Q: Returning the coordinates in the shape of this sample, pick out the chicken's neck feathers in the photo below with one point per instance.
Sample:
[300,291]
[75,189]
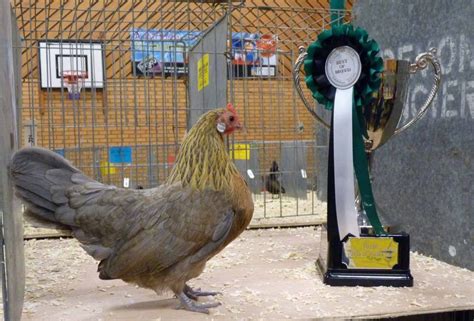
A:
[203,161]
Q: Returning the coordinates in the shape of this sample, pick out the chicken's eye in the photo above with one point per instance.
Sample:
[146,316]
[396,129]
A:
[231,118]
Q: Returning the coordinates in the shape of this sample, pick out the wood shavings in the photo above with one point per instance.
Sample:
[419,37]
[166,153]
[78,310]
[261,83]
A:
[293,256]
[217,313]
[233,309]
[267,274]
[418,304]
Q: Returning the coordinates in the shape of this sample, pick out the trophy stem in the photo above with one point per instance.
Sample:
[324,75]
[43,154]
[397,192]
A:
[370,159]
[362,217]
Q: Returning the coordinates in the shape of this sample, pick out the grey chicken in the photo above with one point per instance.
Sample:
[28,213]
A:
[156,238]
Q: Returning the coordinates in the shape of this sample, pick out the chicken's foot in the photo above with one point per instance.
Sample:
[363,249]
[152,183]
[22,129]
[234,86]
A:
[190,305]
[195,293]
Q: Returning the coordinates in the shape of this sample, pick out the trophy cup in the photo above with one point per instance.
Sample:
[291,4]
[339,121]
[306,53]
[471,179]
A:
[366,94]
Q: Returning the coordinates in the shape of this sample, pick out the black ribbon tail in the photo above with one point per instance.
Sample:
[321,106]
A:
[333,231]
[335,248]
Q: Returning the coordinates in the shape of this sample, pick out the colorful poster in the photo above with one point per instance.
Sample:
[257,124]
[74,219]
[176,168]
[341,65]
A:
[161,52]
[254,55]
[164,52]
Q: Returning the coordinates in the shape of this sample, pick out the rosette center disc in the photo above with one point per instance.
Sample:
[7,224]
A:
[343,67]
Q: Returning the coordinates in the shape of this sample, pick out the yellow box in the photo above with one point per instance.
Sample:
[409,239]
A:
[203,72]
[107,168]
[240,152]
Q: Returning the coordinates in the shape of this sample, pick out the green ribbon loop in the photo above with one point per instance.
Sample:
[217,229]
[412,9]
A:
[319,50]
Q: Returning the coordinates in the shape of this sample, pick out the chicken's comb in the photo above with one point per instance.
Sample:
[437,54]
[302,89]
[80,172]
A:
[231,108]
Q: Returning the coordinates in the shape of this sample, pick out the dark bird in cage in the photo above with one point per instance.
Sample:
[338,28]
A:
[157,238]
[273,181]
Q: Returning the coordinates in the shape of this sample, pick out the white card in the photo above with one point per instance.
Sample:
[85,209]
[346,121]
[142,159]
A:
[303,173]
[250,173]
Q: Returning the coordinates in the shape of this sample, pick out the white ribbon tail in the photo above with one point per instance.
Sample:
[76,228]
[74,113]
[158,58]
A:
[343,164]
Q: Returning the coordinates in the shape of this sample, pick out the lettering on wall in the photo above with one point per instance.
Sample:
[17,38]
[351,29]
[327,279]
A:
[455,98]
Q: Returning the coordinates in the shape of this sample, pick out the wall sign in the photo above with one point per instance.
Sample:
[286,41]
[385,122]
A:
[120,154]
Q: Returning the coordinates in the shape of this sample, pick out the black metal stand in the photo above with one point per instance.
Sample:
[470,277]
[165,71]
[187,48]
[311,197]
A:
[333,262]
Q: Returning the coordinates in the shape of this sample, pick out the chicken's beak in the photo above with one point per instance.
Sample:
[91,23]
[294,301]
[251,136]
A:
[238,126]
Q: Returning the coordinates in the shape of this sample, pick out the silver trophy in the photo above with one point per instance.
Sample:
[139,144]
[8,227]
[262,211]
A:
[383,114]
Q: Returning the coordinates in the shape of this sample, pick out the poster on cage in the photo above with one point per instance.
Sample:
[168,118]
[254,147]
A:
[254,55]
[165,52]
[161,52]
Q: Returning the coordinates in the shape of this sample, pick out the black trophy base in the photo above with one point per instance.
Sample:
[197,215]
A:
[352,277]
[335,272]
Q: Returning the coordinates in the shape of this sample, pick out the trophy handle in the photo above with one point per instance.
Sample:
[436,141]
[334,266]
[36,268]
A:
[421,62]
[297,84]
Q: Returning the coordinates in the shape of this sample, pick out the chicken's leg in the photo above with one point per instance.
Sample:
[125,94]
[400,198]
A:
[193,306]
[194,294]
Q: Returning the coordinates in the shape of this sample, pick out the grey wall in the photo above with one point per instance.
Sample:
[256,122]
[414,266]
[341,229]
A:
[214,95]
[11,231]
[424,178]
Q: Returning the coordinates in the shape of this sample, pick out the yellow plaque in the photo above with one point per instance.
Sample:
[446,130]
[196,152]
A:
[240,152]
[371,252]
[203,72]
[107,168]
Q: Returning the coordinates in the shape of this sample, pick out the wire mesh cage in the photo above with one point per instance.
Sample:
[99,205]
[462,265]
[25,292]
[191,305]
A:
[127,122]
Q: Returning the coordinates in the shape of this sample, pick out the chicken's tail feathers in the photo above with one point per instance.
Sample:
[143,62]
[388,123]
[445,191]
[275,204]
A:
[41,178]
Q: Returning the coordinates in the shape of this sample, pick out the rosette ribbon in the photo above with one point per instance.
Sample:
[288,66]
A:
[346,150]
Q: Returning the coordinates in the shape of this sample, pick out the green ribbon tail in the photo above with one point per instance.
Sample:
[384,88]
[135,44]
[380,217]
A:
[361,168]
